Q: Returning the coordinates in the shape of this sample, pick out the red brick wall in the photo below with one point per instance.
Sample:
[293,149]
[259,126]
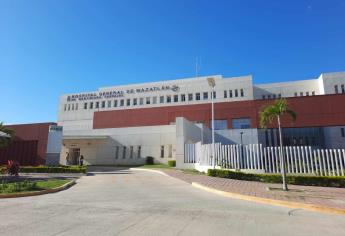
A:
[26,137]
[326,110]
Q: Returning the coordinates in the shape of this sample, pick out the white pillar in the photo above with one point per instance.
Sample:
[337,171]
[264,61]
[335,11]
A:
[341,162]
[332,161]
[295,159]
[303,160]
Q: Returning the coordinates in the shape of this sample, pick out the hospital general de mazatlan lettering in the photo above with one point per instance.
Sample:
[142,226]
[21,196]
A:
[123,125]
[115,94]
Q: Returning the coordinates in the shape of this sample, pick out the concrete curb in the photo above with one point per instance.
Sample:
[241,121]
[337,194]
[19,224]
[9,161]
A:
[273,202]
[151,170]
[36,193]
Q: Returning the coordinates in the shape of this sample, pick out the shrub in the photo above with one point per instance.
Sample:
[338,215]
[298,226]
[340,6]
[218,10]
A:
[325,181]
[53,169]
[149,160]
[171,163]
[12,168]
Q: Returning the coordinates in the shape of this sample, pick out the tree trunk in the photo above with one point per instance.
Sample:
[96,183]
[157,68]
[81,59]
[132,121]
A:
[282,157]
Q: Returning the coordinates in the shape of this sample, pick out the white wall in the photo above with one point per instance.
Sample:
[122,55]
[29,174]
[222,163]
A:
[98,146]
[332,79]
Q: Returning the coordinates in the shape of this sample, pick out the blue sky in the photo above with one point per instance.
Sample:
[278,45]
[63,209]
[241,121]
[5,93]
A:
[48,48]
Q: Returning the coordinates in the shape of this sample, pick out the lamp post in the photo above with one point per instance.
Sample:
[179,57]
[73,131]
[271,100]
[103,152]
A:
[241,147]
[212,84]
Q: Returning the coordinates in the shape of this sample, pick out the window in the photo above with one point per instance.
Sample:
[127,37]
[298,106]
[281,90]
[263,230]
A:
[241,123]
[342,88]
[131,152]
[148,100]
[115,103]
[336,88]
[65,107]
[230,93]
[103,104]
[128,102]
[313,93]
[117,148]
[183,97]
[91,105]
[242,93]
[85,105]
[139,151]
[279,95]
[162,151]
[175,98]
[225,94]
[263,97]
[168,99]
[141,101]
[236,93]
[122,102]
[124,152]
[154,100]
[295,94]
[214,95]
[170,151]
[307,93]
[135,101]
[69,107]
[73,107]
[269,96]
[190,97]
[274,96]
[197,96]
[220,124]
[109,103]
[301,94]
[342,130]
[97,104]
[76,106]
[161,99]
[205,95]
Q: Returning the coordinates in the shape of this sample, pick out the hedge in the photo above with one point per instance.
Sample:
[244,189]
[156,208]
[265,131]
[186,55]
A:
[51,169]
[171,163]
[324,181]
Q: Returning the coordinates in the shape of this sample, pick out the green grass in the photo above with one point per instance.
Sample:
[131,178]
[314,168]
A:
[30,186]
[49,184]
[158,166]
[192,171]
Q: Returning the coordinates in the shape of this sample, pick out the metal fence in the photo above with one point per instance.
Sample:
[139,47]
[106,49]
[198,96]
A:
[299,159]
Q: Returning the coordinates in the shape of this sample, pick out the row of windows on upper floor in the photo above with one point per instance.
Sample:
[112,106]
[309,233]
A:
[336,88]
[274,96]
[148,100]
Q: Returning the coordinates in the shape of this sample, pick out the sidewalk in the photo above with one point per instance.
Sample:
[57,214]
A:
[319,196]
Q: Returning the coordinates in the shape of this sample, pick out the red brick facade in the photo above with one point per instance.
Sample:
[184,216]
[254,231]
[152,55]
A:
[325,110]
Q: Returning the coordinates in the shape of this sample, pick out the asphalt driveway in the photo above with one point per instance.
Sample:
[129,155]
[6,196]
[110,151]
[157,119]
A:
[125,202]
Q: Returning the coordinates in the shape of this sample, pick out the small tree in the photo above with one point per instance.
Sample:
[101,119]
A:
[273,112]
[6,136]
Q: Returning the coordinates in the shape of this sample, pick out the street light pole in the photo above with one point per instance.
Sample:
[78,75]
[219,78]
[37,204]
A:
[212,84]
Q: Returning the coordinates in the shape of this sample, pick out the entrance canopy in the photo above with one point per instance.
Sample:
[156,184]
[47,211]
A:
[84,137]
[78,141]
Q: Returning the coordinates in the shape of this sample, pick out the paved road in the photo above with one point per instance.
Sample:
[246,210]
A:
[127,202]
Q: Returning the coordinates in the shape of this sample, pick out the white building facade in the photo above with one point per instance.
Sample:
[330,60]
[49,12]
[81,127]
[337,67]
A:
[92,127]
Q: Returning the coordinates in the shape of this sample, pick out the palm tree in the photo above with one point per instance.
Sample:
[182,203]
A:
[267,115]
[6,135]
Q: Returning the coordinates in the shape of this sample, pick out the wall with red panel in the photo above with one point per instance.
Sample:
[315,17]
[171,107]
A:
[29,146]
[324,110]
